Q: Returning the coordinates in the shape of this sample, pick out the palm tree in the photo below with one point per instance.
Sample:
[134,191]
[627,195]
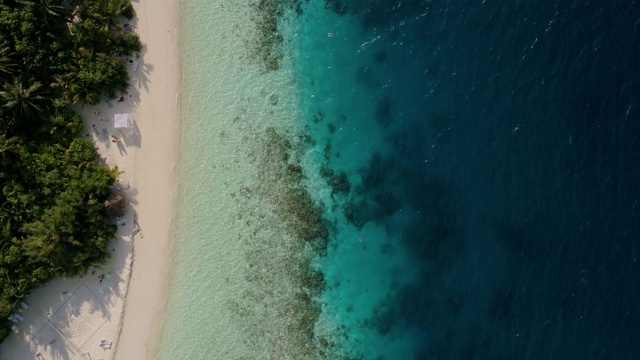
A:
[110,13]
[8,147]
[24,102]
[74,90]
[52,12]
[5,225]
[8,65]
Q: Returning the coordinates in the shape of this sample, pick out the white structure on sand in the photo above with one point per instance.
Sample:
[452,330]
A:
[122,122]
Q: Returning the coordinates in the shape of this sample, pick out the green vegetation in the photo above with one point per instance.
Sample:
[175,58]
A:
[53,186]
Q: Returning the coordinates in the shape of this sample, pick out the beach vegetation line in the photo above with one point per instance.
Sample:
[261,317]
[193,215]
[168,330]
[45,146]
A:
[53,184]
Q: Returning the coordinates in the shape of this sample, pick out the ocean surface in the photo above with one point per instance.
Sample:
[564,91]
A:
[469,172]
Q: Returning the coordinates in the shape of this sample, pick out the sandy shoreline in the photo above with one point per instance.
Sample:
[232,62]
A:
[115,311]
[156,175]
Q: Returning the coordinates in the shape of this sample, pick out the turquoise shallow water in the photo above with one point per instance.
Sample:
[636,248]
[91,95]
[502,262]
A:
[475,164]
[219,304]
[366,264]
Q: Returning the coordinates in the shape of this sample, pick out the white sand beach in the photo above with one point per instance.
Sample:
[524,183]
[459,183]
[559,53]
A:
[115,311]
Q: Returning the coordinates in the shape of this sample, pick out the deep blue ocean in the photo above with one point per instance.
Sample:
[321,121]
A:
[479,164]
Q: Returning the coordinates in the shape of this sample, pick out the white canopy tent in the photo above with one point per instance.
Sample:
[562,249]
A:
[122,122]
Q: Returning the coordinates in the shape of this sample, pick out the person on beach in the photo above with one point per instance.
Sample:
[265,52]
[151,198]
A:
[122,98]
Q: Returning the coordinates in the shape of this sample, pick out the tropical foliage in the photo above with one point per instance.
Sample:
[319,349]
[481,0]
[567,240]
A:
[52,183]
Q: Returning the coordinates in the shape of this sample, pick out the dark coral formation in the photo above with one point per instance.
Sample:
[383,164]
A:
[354,213]
[374,200]
[291,233]
[301,215]
[293,204]
[270,13]
[317,117]
[339,182]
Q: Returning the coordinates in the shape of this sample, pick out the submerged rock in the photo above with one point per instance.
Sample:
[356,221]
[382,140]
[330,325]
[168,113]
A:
[324,342]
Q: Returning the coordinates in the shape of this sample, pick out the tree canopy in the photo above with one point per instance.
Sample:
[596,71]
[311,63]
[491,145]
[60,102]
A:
[52,183]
